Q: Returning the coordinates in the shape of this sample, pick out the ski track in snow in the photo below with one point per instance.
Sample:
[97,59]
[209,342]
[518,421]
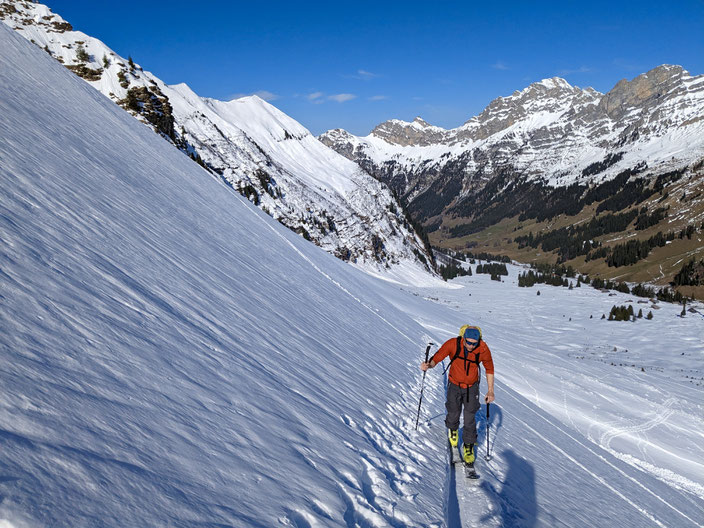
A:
[638,495]
[605,439]
[599,478]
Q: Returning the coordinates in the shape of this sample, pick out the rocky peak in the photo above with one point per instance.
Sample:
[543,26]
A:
[550,130]
[419,121]
[643,91]
[341,141]
[416,133]
[549,96]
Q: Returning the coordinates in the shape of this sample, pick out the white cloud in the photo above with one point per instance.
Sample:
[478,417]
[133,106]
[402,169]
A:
[499,65]
[366,75]
[263,94]
[315,95]
[341,98]
[378,97]
[362,75]
[581,69]
[266,95]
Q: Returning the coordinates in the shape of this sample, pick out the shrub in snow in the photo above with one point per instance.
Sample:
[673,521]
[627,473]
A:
[621,313]
[123,79]
[82,54]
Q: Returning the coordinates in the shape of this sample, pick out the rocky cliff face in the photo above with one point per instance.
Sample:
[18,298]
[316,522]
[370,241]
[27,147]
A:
[249,144]
[550,132]
[418,132]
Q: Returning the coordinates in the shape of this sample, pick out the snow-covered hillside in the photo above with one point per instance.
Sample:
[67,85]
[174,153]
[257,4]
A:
[257,149]
[171,356]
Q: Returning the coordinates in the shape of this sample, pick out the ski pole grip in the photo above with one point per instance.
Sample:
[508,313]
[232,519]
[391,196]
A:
[487,411]
[427,351]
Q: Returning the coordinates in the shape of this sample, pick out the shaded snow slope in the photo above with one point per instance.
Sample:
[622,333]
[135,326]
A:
[250,144]
[170,354]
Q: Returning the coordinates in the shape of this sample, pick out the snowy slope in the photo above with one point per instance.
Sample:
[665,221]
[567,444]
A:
[170,356]
[256,148]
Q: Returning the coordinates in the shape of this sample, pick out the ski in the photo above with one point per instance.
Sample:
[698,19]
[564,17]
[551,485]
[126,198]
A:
[469,470]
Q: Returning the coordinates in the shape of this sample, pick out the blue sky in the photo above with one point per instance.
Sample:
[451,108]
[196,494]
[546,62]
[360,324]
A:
[354,65]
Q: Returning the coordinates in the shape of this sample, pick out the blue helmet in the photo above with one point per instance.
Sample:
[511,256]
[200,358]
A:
[472,333]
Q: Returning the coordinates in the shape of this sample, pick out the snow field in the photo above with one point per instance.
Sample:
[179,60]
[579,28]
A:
[570,418]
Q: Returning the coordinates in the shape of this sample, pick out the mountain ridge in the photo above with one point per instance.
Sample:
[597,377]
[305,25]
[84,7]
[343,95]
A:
[547,152]
[255,148]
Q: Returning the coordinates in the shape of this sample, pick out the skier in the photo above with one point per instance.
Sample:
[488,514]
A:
[465,352]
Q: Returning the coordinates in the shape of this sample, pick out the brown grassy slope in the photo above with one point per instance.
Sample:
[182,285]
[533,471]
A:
[685,199]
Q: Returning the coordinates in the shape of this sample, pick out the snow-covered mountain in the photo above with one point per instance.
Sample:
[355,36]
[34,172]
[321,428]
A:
[254,147]
[550,132]
[171,356]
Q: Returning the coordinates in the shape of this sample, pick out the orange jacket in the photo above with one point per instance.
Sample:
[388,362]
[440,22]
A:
[458,371]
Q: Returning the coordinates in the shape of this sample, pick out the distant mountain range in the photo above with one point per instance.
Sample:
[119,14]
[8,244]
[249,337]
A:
[252,146]
[547,157]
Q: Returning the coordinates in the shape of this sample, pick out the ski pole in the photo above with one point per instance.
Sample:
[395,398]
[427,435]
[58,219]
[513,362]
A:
[488,457]
[422,385]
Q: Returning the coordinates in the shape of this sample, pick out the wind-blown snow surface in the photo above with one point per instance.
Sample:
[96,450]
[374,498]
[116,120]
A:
[170,356]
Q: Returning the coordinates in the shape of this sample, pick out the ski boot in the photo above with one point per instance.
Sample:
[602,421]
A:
[468,454]
[452,435]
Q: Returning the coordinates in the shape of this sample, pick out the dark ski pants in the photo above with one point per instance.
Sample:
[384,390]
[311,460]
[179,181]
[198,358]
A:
[457,398]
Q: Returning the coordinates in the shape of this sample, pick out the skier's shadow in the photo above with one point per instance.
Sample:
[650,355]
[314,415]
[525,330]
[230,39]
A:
[516,500]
